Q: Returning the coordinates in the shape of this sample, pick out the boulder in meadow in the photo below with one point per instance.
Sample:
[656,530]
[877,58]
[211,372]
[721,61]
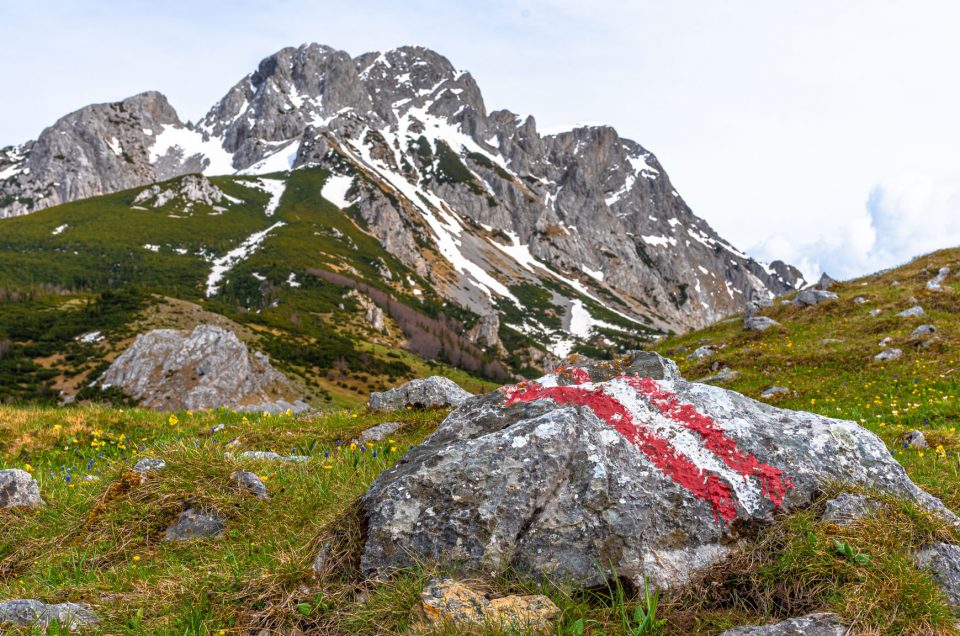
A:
[618,466]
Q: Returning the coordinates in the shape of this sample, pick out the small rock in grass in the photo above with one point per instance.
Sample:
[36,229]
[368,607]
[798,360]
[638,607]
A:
[846,509]
[860,300]
[195,524]
[703,352]
[148,465]
[875,312]
[810,297]
[943,562]
[271,456]
[725,374]
[18,489]
[759,323]
[826,281]
[820,624]
[379,432]
[923,330]
[829,341]
[33,613]
[251,483]
[885,342]
[319,566]
[452,602]
[888,355]
[916,310]
[936,283]
[915,439]
[774,391]
[433,392]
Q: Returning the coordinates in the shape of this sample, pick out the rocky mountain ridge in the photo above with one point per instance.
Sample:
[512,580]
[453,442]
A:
[479,203]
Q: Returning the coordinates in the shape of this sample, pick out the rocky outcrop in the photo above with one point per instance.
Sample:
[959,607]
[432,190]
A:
[846,509]
[810,297]
[433,392]
[617,466]
[943,562]
[206,368]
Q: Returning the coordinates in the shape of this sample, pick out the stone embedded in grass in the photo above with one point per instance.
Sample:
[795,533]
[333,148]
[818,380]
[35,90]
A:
[607,465]
[195,524]
[148,465]
[936,283]
[888,355]
[915,439]
[379,432]
[830,341]
[820,624]
[846,509]
[916,310]
[724,374]
[759,323]
[860,300]
[885,342]
[923,330]
[33,613]
[273,457]
[873,313]
[943,562]
[451,602]
[810,297]
[433,392]
[19,489]
[251,483]
[774,391]
[703,352]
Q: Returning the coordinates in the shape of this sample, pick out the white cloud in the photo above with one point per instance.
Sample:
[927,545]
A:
[905,216]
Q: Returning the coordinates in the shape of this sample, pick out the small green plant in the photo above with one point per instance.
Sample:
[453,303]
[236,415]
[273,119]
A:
[854,556]
[643,620]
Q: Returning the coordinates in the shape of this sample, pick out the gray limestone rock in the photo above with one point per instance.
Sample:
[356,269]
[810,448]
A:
[759,323]
[379,432]
[810,297]
[251,483]
[195,523]
[825,282]
[874,312]
[148,465]
[33,613]
[207,368]
[860,300]
[936,283]
[18,489]
[594,468]
[846,509]
[943,561]
[916,310]
[271,456]
[820,624]
[923,330]
[774,391]
[915,439]
[433,392]
[703,352]
[888,355]
[829,341]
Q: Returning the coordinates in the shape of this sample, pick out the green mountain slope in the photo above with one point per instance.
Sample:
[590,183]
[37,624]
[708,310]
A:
[64,264]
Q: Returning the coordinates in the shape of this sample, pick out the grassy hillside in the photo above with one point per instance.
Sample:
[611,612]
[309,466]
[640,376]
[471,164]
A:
[98,538]
[840,377]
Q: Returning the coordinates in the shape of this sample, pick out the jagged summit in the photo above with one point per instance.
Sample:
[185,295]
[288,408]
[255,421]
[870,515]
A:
[479,202]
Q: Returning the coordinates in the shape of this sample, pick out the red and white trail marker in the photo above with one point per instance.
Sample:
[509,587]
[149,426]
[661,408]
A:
[688,446]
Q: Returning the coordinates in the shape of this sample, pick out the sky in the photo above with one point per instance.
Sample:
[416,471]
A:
[821,133]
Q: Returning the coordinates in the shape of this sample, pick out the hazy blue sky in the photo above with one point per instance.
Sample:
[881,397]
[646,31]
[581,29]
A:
[820,132]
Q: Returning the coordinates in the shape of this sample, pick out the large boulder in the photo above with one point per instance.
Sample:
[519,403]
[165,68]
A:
[26,612]
[820,624]
[208,367]
[621,466]
[433,392]
[810,297]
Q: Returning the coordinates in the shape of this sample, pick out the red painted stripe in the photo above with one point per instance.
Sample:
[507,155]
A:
[773,482]
[706,485]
